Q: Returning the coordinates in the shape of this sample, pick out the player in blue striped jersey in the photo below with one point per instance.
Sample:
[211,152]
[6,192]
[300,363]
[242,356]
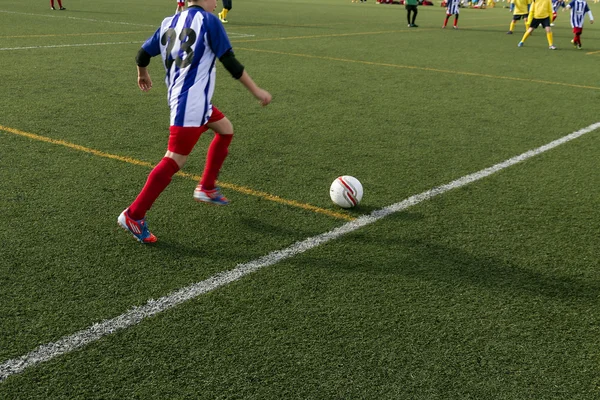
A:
[578,10]
[452,8]
[189,44]
[556,4]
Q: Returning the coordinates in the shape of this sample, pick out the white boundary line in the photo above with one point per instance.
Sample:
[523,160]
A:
[77,18]
[67,45]
[135,315]
[96,44]
[230,34]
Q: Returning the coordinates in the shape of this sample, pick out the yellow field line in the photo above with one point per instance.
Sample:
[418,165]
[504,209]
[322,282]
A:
[446,71]
[72,34]
[231,186]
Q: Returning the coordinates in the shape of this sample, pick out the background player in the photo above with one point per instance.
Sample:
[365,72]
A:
[540,13]
[555,5]
[578,10]
[180,6]
[452,8]
[411,7]
[520,10]
[189,44]
[226,8]
[60,6]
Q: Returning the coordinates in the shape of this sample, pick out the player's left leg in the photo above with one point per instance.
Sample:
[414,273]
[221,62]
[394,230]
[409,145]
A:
[207,191]
[227,5]
[511,28]
[549,36]
[455,26]
[577,39]
[414,16]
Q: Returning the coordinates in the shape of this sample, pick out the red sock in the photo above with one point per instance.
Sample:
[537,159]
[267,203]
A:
[158,180]
[60,3]
[51,3]
[217,152]
[456,20]
[446,21]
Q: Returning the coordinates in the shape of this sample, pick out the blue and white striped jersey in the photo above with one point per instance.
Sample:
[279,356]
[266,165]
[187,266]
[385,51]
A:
[556,4]
[452,7]
[578,10]
[189,43]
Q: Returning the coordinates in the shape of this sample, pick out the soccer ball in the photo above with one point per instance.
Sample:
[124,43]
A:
[346,191]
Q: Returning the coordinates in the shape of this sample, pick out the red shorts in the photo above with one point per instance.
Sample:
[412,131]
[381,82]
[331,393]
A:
[182,139]
[577,31]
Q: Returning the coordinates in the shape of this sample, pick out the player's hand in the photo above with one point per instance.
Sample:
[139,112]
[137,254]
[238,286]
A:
[592,21]
[263,97]
[144,82]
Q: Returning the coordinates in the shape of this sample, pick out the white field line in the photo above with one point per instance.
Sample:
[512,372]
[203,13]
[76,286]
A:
[91,44]
[230,34]
[135,315]
[77,18]
[87,44]
[67,45]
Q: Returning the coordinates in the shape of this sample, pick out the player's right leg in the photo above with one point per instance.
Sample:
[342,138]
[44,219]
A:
[138,228]
[181,142]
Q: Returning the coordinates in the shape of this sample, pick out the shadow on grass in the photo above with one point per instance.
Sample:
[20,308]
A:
[393,253]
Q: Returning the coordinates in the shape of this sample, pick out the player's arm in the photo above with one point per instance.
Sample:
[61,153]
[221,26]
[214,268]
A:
[148,50]
[220,45]
[143,60]
[237,71]
[591,16]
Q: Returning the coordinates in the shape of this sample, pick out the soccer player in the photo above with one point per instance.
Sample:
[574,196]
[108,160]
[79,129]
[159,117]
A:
[578,10]
[411,8]
[226,8]
[452,8]
[189,44]
[60,6]
[539,14]
[180,6]
[520,9]
[555,5]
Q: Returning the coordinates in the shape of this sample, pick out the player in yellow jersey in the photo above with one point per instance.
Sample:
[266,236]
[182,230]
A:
[226,8]
[540,13]
[520,9]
